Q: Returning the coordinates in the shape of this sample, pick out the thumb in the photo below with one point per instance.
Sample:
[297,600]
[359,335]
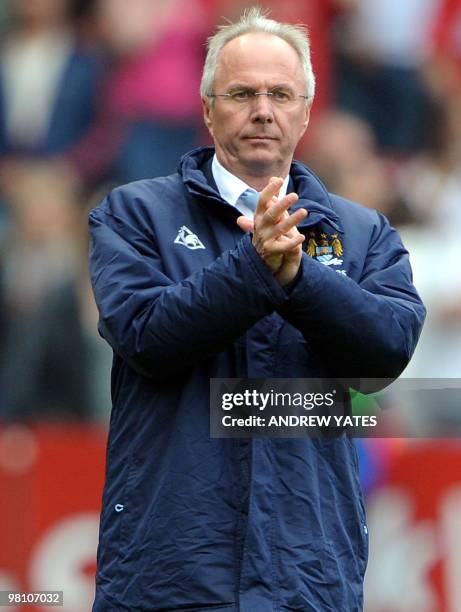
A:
[245,224]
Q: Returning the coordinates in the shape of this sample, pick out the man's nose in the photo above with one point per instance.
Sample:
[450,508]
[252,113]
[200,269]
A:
[261,109]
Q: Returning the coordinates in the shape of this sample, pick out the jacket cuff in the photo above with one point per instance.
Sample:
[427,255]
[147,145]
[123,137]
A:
[310,281]
[275,292]
[289,288]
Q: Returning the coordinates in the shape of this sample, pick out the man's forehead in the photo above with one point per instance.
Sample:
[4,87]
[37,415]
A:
[258,52]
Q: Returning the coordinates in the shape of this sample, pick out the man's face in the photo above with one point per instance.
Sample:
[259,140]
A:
[257,138]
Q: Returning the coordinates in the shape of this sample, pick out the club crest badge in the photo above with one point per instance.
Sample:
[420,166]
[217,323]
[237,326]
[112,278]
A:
[325,248]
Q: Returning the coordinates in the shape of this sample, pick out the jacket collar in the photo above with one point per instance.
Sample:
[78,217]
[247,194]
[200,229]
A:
[195,169]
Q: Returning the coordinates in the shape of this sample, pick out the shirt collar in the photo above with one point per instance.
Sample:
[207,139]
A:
[230,186]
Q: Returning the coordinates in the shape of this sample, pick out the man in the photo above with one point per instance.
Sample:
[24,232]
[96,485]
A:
[187,292]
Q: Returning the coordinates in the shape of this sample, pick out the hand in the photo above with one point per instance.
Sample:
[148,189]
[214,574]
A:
[275,236]
[290,265]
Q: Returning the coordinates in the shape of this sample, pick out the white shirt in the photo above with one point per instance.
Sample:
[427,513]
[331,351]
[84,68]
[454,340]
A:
[231,187]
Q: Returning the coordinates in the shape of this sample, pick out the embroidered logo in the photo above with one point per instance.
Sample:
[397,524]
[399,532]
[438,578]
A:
[326,249]
[188,239]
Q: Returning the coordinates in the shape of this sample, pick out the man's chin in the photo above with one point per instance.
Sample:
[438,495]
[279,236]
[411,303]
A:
[262,162]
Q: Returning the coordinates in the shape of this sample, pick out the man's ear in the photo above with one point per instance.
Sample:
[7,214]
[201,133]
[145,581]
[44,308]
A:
[207,114]
[307,115]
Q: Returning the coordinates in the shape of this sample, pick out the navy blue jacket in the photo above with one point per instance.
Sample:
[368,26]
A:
[254,525]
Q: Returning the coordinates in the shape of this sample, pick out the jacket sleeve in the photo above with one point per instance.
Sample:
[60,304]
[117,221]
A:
[159,326]
[365,329]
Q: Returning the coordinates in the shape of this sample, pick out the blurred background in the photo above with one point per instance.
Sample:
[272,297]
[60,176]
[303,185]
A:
[94,93]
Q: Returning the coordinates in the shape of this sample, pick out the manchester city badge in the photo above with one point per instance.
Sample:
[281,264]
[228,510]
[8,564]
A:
[325,248]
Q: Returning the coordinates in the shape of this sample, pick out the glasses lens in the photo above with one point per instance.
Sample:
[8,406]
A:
[278,97]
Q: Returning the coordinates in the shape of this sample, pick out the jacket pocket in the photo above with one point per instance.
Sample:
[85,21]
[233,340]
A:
[125,508]
[362,526]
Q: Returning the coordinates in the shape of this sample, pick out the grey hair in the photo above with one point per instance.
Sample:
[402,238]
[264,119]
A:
[255,20]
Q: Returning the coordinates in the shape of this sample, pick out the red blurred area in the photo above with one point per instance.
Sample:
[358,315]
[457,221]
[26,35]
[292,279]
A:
[51,480]
[415,530]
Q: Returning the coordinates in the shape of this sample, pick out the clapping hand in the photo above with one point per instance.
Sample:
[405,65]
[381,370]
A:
[275,235]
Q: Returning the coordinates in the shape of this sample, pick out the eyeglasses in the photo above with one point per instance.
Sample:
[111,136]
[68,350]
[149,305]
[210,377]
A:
[278,96]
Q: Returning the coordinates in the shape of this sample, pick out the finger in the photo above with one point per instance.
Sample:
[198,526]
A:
[276,211]
[290,255]
[287,224]
[279,247]
[274,200]
[270,191]
[245,224]
[285,227]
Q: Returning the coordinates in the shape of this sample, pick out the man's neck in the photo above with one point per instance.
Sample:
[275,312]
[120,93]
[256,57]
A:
[257,182]
[231,186]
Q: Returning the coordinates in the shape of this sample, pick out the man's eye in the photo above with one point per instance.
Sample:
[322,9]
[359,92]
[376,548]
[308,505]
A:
[281,96]
[241,95]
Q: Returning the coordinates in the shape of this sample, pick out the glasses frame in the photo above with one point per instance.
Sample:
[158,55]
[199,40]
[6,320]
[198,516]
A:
[253,95]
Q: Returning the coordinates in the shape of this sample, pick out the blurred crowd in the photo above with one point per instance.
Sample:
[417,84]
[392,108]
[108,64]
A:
[94,93]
